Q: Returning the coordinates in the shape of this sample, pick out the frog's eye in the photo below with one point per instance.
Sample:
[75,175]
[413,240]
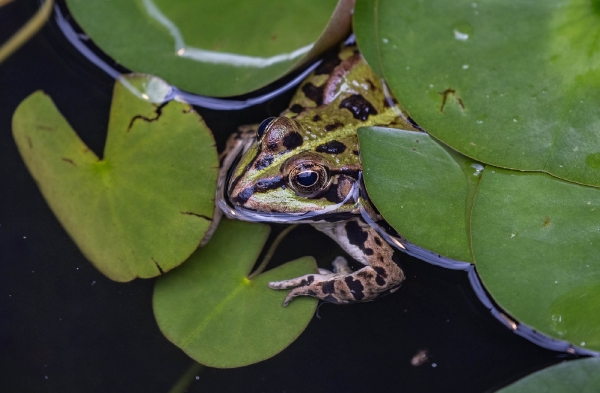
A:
[308,179]
[260,131]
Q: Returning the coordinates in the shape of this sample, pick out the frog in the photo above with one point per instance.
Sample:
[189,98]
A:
[304,166]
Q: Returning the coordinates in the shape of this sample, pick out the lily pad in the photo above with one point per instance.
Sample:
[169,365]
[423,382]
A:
[423,189]
[216,48]
[210,309]
[506,82]
[535,242]
[144,207]
[573,376]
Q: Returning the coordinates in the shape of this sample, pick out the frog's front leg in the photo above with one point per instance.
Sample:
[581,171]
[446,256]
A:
[343,286]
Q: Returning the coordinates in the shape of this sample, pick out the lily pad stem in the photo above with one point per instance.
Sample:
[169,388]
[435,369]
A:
[271,251]
[186,379]
[27,31]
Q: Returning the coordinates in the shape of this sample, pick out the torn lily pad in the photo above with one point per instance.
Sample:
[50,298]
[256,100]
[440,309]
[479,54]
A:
[210,309]
[143,207]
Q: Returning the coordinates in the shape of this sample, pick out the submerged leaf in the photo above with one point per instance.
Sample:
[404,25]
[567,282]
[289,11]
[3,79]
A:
[217,48]
[219,317]
[144,207]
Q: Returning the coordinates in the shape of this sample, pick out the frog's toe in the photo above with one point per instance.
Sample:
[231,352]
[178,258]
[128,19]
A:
[301,281]
[340,265]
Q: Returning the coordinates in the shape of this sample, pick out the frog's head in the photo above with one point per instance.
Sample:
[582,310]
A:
[287,171]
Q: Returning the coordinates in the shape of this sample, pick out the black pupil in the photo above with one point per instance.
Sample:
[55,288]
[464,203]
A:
[260,131]
[307,178]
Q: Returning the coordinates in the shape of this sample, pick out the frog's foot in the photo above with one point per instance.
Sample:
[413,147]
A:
[341,287]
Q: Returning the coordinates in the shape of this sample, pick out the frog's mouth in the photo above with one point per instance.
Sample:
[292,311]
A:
[223,202]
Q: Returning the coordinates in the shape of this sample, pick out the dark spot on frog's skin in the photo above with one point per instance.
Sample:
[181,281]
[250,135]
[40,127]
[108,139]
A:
[310,280]
[331,127]
[310,292]
[368,251]
[381,258]
[377,241]
[380,271]
[328,64]
[356,236]
[331,147]
[269,184]
[316,118]
[297,108]
[263,162]
[355,152]
[261,186]
[365,275]
[243,196]
[292,140]
[380,281]
[328,287]
[332,194]
[360,108]
[313,93]
[371,85]
[356,288]
[271,146]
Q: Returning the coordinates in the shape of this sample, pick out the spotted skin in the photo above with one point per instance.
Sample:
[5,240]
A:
[381,273]
[316,138]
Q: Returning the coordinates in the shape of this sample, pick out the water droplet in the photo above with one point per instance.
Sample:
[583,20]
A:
[462,31]
[465,66]
[385,40]
[478,168]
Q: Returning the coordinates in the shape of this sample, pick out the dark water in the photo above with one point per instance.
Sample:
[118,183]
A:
[66,328]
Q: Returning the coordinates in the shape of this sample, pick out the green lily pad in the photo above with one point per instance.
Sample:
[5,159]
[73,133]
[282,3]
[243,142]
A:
[573,376]
[535,242]
[219,317]
[421,188]
[216,48]
[506,82]
[144,207]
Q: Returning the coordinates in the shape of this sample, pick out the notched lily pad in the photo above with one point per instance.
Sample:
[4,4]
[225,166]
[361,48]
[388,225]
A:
[573,376]
[507,82]
[144,207]
[535,242]
[214,313]
[222,48]
[423,189]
